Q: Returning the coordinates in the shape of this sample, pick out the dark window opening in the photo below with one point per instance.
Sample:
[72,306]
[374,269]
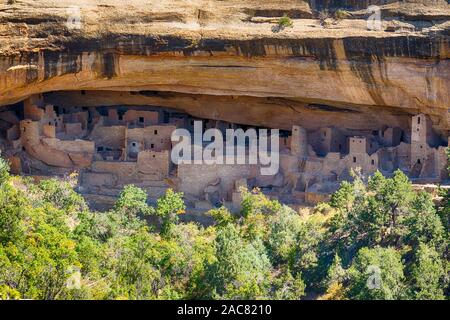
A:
[83,92]
[418,120]
[141,119]
[152,146]
[340,147]
[418,161]
[49,123]
[153,156]
[134,144]
[120,114]
[354,159]
[155,132]
[99,149]
[373,162]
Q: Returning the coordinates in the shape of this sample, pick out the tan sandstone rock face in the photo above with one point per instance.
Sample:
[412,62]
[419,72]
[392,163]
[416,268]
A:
[227,60]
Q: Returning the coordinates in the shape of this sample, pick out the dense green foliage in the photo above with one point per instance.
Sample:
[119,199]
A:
[375,240]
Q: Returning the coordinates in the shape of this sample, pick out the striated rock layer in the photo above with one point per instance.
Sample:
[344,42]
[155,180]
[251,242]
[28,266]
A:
[228,60]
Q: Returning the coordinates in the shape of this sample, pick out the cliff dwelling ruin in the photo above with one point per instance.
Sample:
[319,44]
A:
[112,146]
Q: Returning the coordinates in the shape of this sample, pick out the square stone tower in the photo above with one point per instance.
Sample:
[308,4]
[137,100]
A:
[420,133]
[299,142]
[357,145]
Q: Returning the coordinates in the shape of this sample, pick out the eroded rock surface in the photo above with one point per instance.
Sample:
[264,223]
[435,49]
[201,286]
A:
[224,48]
[230,61]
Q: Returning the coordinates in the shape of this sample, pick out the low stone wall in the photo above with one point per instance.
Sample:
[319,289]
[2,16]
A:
[196,177]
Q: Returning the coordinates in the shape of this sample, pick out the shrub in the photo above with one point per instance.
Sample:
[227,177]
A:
[285,22]
[168,207]
[4,171]
[341,14]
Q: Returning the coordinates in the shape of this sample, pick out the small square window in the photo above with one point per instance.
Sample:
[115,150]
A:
[155,132]
[141,119]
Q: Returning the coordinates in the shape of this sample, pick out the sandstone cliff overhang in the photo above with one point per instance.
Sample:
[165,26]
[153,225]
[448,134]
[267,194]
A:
[219,58]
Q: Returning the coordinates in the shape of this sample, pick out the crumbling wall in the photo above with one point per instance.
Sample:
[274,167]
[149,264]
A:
[328,139]
[158,137]
[124,172]
[109,137]
[81,117]
[154,165]
[13,133]
[141,117]
[98,180]
[73,129]
[392,136]
[52,151]
[196,177]
[49,131]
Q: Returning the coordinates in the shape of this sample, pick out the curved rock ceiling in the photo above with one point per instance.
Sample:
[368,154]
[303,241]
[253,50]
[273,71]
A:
[226,59]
